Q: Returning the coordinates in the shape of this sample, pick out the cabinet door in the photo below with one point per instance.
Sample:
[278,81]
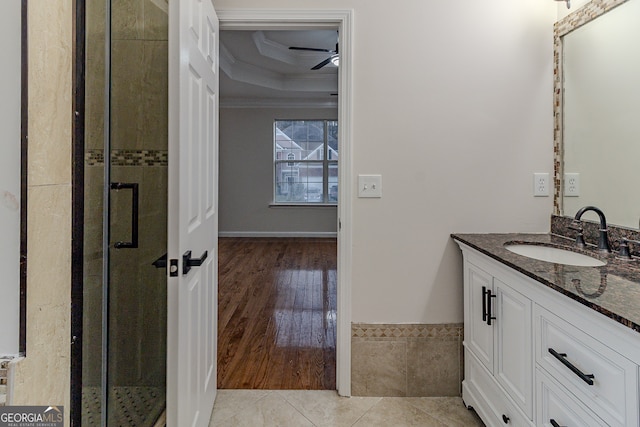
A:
[478,335]
[514,346]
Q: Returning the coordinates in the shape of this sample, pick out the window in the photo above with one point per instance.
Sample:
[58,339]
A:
[306,161]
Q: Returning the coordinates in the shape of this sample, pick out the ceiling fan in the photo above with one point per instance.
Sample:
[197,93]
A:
[334,58]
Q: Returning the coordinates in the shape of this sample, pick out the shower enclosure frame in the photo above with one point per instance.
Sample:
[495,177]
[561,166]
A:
[77,209]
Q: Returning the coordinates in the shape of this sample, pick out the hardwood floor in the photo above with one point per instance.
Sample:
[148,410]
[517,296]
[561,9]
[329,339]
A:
[277,313]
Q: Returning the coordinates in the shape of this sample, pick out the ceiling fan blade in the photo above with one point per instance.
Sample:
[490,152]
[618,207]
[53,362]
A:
[311,49]
[322,64]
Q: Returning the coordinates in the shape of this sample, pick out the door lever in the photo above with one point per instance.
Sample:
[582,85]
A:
[188,262]
[160,262]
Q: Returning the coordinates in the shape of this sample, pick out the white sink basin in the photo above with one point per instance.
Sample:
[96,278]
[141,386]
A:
[553,254]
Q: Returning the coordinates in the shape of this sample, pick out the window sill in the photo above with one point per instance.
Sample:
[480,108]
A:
[303,205]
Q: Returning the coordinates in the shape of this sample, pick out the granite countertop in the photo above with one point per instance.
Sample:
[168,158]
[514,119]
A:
[613,289]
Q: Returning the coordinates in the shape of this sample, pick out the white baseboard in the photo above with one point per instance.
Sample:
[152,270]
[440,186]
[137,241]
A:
[317,234]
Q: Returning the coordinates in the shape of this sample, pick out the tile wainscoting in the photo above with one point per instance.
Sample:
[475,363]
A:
[397,360]
[4,364]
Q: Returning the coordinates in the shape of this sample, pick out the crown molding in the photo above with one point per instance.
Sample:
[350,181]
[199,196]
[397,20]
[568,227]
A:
[244,72]
[274,50]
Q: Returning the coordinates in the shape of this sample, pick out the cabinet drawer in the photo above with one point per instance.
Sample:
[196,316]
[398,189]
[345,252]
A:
[602,379]
[555,404]
[491,402]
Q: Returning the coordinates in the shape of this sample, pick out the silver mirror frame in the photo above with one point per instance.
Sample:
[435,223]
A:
[576,19]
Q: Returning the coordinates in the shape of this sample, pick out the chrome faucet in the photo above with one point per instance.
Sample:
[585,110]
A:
[603,240]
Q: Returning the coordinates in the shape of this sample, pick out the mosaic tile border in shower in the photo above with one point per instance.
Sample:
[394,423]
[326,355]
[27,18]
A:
[581,16]
[95,157]
[396,331]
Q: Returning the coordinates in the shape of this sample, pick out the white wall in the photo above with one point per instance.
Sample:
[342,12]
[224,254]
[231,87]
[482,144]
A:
[246,176]
[575,5]
[456,123]
[10,36]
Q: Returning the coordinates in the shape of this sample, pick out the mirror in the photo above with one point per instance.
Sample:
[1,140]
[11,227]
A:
[12,177]
[597,134]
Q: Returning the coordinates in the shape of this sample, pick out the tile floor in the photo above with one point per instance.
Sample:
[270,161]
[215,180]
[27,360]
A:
[296,408]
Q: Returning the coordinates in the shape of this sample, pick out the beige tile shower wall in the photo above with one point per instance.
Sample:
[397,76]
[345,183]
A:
[138,297]
[139,142]
[139,154]
[42,377]
[50,56]
[415,360]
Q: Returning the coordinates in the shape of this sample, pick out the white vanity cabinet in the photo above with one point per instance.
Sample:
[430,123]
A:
[498,347]
[534,356]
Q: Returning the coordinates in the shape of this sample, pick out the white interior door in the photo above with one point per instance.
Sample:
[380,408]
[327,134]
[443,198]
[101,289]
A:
[192,214]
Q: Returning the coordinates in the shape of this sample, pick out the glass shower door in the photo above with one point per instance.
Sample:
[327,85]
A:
[125,303]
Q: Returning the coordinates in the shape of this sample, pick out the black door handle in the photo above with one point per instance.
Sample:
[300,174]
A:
[554,423]
[188,262]
[160,262]
[486,305]
[562,357]
[133,186]
[489,308]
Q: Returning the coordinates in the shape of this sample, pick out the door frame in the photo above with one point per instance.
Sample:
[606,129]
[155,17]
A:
[270,19]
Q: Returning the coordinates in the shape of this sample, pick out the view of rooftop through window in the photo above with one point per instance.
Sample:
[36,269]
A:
[306,161]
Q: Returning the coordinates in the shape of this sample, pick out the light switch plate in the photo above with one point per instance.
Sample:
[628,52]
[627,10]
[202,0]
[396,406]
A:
[369,185]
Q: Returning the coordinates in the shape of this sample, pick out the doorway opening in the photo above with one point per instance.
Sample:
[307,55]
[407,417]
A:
[279,156]
[262,21]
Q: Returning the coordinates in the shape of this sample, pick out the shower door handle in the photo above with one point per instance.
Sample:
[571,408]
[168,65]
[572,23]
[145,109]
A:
[133,186]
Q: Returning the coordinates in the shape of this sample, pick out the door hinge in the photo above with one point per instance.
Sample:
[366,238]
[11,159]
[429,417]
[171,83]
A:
[173,268]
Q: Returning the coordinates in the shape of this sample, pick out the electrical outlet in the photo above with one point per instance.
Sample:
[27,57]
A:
[541,184]
[571,184]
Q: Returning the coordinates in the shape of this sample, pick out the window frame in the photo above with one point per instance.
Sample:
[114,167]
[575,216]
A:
[325,162]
